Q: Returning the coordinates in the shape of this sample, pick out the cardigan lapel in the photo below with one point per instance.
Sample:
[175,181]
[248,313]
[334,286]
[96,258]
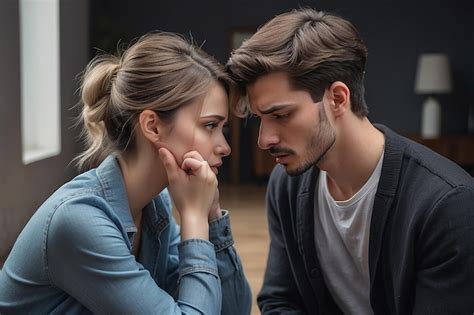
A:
[384,197]
[306,243]
[305,214]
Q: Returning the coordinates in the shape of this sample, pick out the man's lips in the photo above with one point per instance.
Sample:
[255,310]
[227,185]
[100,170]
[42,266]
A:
[277,151]
[281,154]
[277,155]
[280,157]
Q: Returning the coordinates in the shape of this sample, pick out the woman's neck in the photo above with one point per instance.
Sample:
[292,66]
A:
[144,179]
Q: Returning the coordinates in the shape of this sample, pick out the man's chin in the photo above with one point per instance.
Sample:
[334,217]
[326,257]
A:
[297,170]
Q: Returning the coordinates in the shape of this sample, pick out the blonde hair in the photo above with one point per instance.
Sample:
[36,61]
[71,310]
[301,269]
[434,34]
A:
[161,72]
[313,48]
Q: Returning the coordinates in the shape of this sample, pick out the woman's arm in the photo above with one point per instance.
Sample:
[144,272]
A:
[236,294]
[88,257]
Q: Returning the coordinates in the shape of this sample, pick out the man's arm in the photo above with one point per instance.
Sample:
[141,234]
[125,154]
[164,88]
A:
[279,294]
[445,272]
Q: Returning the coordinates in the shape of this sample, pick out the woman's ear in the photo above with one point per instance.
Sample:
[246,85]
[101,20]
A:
[150,125]
[339,97]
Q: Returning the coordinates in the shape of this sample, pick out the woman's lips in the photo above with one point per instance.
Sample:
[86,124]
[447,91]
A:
[215,168]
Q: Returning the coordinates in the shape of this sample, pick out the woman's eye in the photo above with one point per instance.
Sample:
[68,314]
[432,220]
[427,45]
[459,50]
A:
[280,116]
[211,125]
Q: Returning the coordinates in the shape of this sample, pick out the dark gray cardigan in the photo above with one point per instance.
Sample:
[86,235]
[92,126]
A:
[421,251]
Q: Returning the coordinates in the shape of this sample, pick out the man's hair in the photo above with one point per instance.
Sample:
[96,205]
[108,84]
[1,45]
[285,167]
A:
[313,48]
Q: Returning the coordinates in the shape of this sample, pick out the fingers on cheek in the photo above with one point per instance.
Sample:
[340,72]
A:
[194,155]
[192,164]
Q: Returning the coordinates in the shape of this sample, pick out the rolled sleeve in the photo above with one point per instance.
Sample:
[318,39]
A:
[236,294]
[220,233]
[197,256]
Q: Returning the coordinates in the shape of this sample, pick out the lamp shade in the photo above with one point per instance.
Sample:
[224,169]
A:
[433,74]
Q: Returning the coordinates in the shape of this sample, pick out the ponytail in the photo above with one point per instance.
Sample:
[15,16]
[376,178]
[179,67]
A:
[96,95]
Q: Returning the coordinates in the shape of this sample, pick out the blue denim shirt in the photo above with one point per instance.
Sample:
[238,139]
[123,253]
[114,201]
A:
[75,256]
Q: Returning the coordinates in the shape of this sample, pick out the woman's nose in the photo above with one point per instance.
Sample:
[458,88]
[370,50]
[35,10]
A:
[223,148]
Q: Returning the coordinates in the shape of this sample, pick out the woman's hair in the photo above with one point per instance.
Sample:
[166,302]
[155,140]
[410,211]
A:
[313,48]
[160,72]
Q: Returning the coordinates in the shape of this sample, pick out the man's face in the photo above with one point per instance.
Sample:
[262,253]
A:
[293,128]
[199,126]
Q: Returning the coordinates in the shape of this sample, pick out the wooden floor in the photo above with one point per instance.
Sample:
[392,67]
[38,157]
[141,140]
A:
[246,205]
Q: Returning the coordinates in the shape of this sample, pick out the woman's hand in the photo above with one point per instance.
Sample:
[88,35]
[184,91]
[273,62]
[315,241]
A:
[192,187]
[215,210]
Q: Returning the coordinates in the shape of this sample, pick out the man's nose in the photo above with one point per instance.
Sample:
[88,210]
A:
[267,137]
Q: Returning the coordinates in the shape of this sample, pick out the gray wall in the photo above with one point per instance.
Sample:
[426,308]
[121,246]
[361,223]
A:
[24,187]
[396,32]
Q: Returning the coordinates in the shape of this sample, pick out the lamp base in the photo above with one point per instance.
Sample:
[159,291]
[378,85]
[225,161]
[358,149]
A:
[431,119]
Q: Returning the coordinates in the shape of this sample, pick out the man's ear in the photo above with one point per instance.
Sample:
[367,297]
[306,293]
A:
[339,98]
[150,125]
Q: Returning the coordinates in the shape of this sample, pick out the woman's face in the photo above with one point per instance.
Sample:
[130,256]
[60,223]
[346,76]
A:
[199,126]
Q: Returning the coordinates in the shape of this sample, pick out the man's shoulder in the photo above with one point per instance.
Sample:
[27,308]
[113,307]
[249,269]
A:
[422,161]
[414,160]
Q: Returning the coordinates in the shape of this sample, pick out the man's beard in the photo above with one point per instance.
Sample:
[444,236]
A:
[322,139]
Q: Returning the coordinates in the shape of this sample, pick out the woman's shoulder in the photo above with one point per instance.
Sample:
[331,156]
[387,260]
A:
[78,200]
[84,189]
[81,216]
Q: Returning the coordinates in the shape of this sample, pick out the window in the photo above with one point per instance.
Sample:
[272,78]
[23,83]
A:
[40,91]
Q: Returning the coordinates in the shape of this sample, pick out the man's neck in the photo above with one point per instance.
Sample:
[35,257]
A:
[357,151]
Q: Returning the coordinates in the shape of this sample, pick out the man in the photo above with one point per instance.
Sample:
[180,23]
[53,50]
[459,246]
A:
[361,219]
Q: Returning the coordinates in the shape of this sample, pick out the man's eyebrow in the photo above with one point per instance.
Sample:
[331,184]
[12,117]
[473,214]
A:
[273,109]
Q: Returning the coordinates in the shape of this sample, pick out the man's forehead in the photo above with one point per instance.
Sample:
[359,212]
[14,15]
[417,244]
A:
[268,80]
[263,93]
[268,108]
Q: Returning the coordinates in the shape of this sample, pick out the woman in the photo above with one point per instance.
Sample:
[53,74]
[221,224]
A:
[106,242]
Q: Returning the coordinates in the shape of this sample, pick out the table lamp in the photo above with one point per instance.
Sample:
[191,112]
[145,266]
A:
[433,76]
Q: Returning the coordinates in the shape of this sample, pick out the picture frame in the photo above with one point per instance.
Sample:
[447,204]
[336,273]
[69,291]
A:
[238,35]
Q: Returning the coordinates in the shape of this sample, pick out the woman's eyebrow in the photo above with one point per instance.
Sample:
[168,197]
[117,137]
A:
[216,116]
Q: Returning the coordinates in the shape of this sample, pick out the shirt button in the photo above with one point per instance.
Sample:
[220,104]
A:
[226,231]
[314,273]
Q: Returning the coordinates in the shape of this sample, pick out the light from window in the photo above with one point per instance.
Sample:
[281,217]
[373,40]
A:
[40,92]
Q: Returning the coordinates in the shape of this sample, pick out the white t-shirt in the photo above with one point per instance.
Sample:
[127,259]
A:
[342,241]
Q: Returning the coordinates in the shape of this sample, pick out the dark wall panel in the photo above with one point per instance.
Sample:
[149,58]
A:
[396,32]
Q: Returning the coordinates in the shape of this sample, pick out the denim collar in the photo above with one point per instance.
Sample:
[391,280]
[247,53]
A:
[113,186]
